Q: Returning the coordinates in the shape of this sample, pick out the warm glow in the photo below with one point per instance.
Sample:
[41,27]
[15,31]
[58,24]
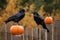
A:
[16,30]
[48,20]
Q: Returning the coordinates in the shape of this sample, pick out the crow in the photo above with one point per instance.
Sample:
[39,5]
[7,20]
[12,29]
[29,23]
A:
[17,17]
[39,20]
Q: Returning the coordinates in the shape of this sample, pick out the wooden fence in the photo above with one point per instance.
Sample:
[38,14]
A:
[31,34]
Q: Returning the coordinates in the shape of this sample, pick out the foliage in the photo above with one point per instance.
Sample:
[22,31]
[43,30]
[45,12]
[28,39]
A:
[48,1]
[3,4]
[49,6]
[24,2]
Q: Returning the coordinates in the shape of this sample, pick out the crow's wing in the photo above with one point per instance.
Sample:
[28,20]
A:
[38,20]
[39,17]
[10,19]
[16,15]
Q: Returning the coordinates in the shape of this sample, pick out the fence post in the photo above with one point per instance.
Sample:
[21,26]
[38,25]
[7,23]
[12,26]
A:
[52,32]
[26,33]
[39,34]
[45,34]
[11,37]
[23,36]
[32,33]
[5,31]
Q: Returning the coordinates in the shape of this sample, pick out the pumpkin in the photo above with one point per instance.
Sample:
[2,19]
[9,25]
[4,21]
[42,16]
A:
[48,20]
[16,30]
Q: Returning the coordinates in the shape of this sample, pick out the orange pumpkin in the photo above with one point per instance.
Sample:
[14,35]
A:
[48,20]
[16,30]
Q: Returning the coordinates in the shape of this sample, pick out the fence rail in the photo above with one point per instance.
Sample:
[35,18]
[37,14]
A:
[31,34]
[54,33]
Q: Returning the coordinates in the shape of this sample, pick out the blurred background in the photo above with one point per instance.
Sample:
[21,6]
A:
[43,7]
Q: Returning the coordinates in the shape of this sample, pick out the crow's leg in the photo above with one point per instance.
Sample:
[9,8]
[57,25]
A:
[16,23]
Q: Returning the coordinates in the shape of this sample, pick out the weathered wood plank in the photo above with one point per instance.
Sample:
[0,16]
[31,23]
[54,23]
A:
[28,35]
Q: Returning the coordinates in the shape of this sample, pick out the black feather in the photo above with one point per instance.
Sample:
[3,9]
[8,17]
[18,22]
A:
[17,17]
[39,20]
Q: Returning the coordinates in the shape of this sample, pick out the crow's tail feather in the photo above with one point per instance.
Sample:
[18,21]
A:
[44,26]
[6,21]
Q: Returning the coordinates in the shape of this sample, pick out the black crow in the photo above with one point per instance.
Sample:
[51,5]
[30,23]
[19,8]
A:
[17,17]
[39,20]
